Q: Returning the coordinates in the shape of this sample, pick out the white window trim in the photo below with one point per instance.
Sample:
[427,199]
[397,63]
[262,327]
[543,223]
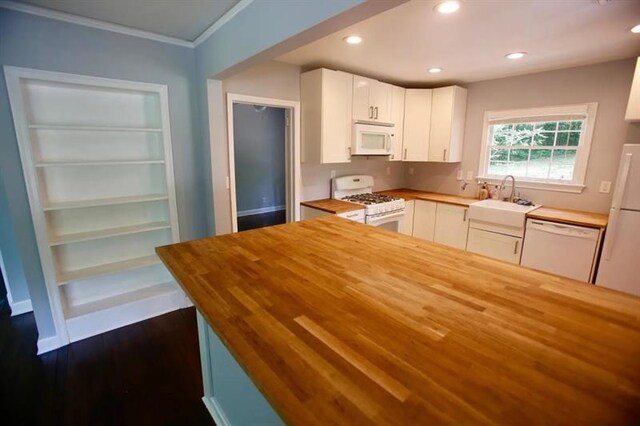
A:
[582,160]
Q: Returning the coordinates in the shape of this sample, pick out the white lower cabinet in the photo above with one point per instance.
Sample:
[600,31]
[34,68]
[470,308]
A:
[424,219]
[406,223]
[492,244]
[452,225]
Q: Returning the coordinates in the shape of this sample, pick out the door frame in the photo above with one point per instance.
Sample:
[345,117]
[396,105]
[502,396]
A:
[292,152]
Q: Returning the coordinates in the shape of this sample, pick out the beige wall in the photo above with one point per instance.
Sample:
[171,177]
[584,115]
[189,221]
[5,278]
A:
[280,81]
[607,84]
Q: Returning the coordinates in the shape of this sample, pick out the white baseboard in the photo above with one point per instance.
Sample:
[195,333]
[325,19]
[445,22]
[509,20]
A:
[260,211]
[216,412]
[47,344]
[22,307]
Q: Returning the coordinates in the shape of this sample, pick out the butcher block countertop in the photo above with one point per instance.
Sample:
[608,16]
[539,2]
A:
[410,194]
[572,217]
[333,206]
[338,322]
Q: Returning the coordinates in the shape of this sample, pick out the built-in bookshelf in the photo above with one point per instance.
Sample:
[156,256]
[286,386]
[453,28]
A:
[97,161]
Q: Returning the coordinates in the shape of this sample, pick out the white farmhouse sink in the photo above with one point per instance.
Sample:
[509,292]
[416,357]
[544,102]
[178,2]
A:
[500,212]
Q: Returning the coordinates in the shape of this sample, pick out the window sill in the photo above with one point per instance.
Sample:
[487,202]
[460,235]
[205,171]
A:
[542,186]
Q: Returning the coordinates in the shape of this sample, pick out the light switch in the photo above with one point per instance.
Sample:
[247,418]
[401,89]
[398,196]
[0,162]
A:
[410,170]
[459,175]
[470,175]
[333,174]
[388,170]
[605,186]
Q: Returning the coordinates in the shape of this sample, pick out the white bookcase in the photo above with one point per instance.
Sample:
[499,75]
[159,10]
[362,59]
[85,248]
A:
[96,156]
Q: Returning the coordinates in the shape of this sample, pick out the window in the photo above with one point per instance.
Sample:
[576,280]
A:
[544,148]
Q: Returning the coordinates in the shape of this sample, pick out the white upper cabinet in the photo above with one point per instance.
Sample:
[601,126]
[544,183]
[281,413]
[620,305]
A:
[417,124]
[326,101]
[633,107]
[448,109]
[452,225]
[397,118]
[371,100]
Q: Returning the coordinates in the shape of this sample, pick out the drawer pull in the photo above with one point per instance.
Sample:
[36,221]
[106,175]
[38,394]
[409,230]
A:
[515,248]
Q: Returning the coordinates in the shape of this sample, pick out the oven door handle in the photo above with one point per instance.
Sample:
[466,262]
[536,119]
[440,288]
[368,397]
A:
[381,220]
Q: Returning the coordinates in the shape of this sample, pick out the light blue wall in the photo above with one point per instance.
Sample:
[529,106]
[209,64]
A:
[35,42]
[259,140]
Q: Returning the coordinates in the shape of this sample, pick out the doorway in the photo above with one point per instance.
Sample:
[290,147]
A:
[263,161]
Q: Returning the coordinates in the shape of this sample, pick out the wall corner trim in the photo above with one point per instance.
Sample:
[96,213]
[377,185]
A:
[237,8]
[21,307]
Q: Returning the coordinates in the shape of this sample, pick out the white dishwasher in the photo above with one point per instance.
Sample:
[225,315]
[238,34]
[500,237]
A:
[566,250]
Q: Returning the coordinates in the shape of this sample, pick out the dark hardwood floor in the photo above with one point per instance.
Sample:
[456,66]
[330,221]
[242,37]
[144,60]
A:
[261,220]
[143,374]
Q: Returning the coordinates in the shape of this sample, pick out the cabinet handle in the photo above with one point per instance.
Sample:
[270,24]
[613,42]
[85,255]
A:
[515,248]
[370,112]
[444,155]
[376,113]
[405,154]
[464,218]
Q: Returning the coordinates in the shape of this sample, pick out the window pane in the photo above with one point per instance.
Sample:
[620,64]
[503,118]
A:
[518,162]
[564,125]
[562,139]
[523,134]
[544,139]
[499,154]
[576,125]
[563,164]
[498,168]
[502,134]
[549,126]
[574,138]
[539,163]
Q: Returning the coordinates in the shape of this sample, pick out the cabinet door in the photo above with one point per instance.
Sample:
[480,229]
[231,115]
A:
[448,109]
[336,110]
[380,95]
[498,246]
[417,124]
[452,225]
[362,108]
[397,118]
[424,219]
[406,223]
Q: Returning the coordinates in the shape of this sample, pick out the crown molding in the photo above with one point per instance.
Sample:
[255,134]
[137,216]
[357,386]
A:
[93,23]
[237,8]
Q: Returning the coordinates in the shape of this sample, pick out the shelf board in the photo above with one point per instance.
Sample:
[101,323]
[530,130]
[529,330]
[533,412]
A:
[107,233]
[108,268]
[98,163]
[103,202]
[121,299]
[96,128]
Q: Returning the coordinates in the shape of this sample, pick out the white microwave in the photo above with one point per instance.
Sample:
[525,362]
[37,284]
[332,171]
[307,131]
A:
[371,139]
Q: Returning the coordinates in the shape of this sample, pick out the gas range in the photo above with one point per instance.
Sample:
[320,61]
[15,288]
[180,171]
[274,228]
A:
[376,203]
[359,189]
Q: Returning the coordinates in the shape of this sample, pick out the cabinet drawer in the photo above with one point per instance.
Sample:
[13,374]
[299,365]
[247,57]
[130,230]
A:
[498,246]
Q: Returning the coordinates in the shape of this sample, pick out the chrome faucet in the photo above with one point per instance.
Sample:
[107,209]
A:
[513,188]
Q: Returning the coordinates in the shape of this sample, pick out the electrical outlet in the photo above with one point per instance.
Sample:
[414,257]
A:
[470,175]
[264,200]
[333,174]
[459,175]
[388,170]
[605,186]
[410,170]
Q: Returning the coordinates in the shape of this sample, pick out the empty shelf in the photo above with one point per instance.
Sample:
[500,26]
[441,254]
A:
[108,268]
[95,128]
[103,202]
[107,233]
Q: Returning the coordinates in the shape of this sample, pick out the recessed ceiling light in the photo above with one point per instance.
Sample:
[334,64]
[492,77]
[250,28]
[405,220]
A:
[447,7]
[435,70]
[515,55]
[636,29]
[353,39]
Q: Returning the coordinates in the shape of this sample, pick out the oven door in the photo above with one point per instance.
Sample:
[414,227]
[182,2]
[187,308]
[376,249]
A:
[390,221]
[371,140]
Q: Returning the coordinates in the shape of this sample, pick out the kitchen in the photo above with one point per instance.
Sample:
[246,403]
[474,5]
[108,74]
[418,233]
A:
[447,139]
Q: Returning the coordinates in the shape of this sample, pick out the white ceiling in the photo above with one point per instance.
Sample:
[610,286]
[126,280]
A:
[402,43]
[182,19]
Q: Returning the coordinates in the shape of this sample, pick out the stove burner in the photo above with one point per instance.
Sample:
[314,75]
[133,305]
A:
[369,199]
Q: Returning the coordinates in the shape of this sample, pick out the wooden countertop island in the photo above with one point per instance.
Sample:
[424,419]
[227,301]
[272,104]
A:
[336,322]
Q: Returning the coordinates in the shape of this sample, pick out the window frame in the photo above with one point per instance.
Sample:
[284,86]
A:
[553,113]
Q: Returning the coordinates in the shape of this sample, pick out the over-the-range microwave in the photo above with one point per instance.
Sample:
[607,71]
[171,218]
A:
[371,139]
